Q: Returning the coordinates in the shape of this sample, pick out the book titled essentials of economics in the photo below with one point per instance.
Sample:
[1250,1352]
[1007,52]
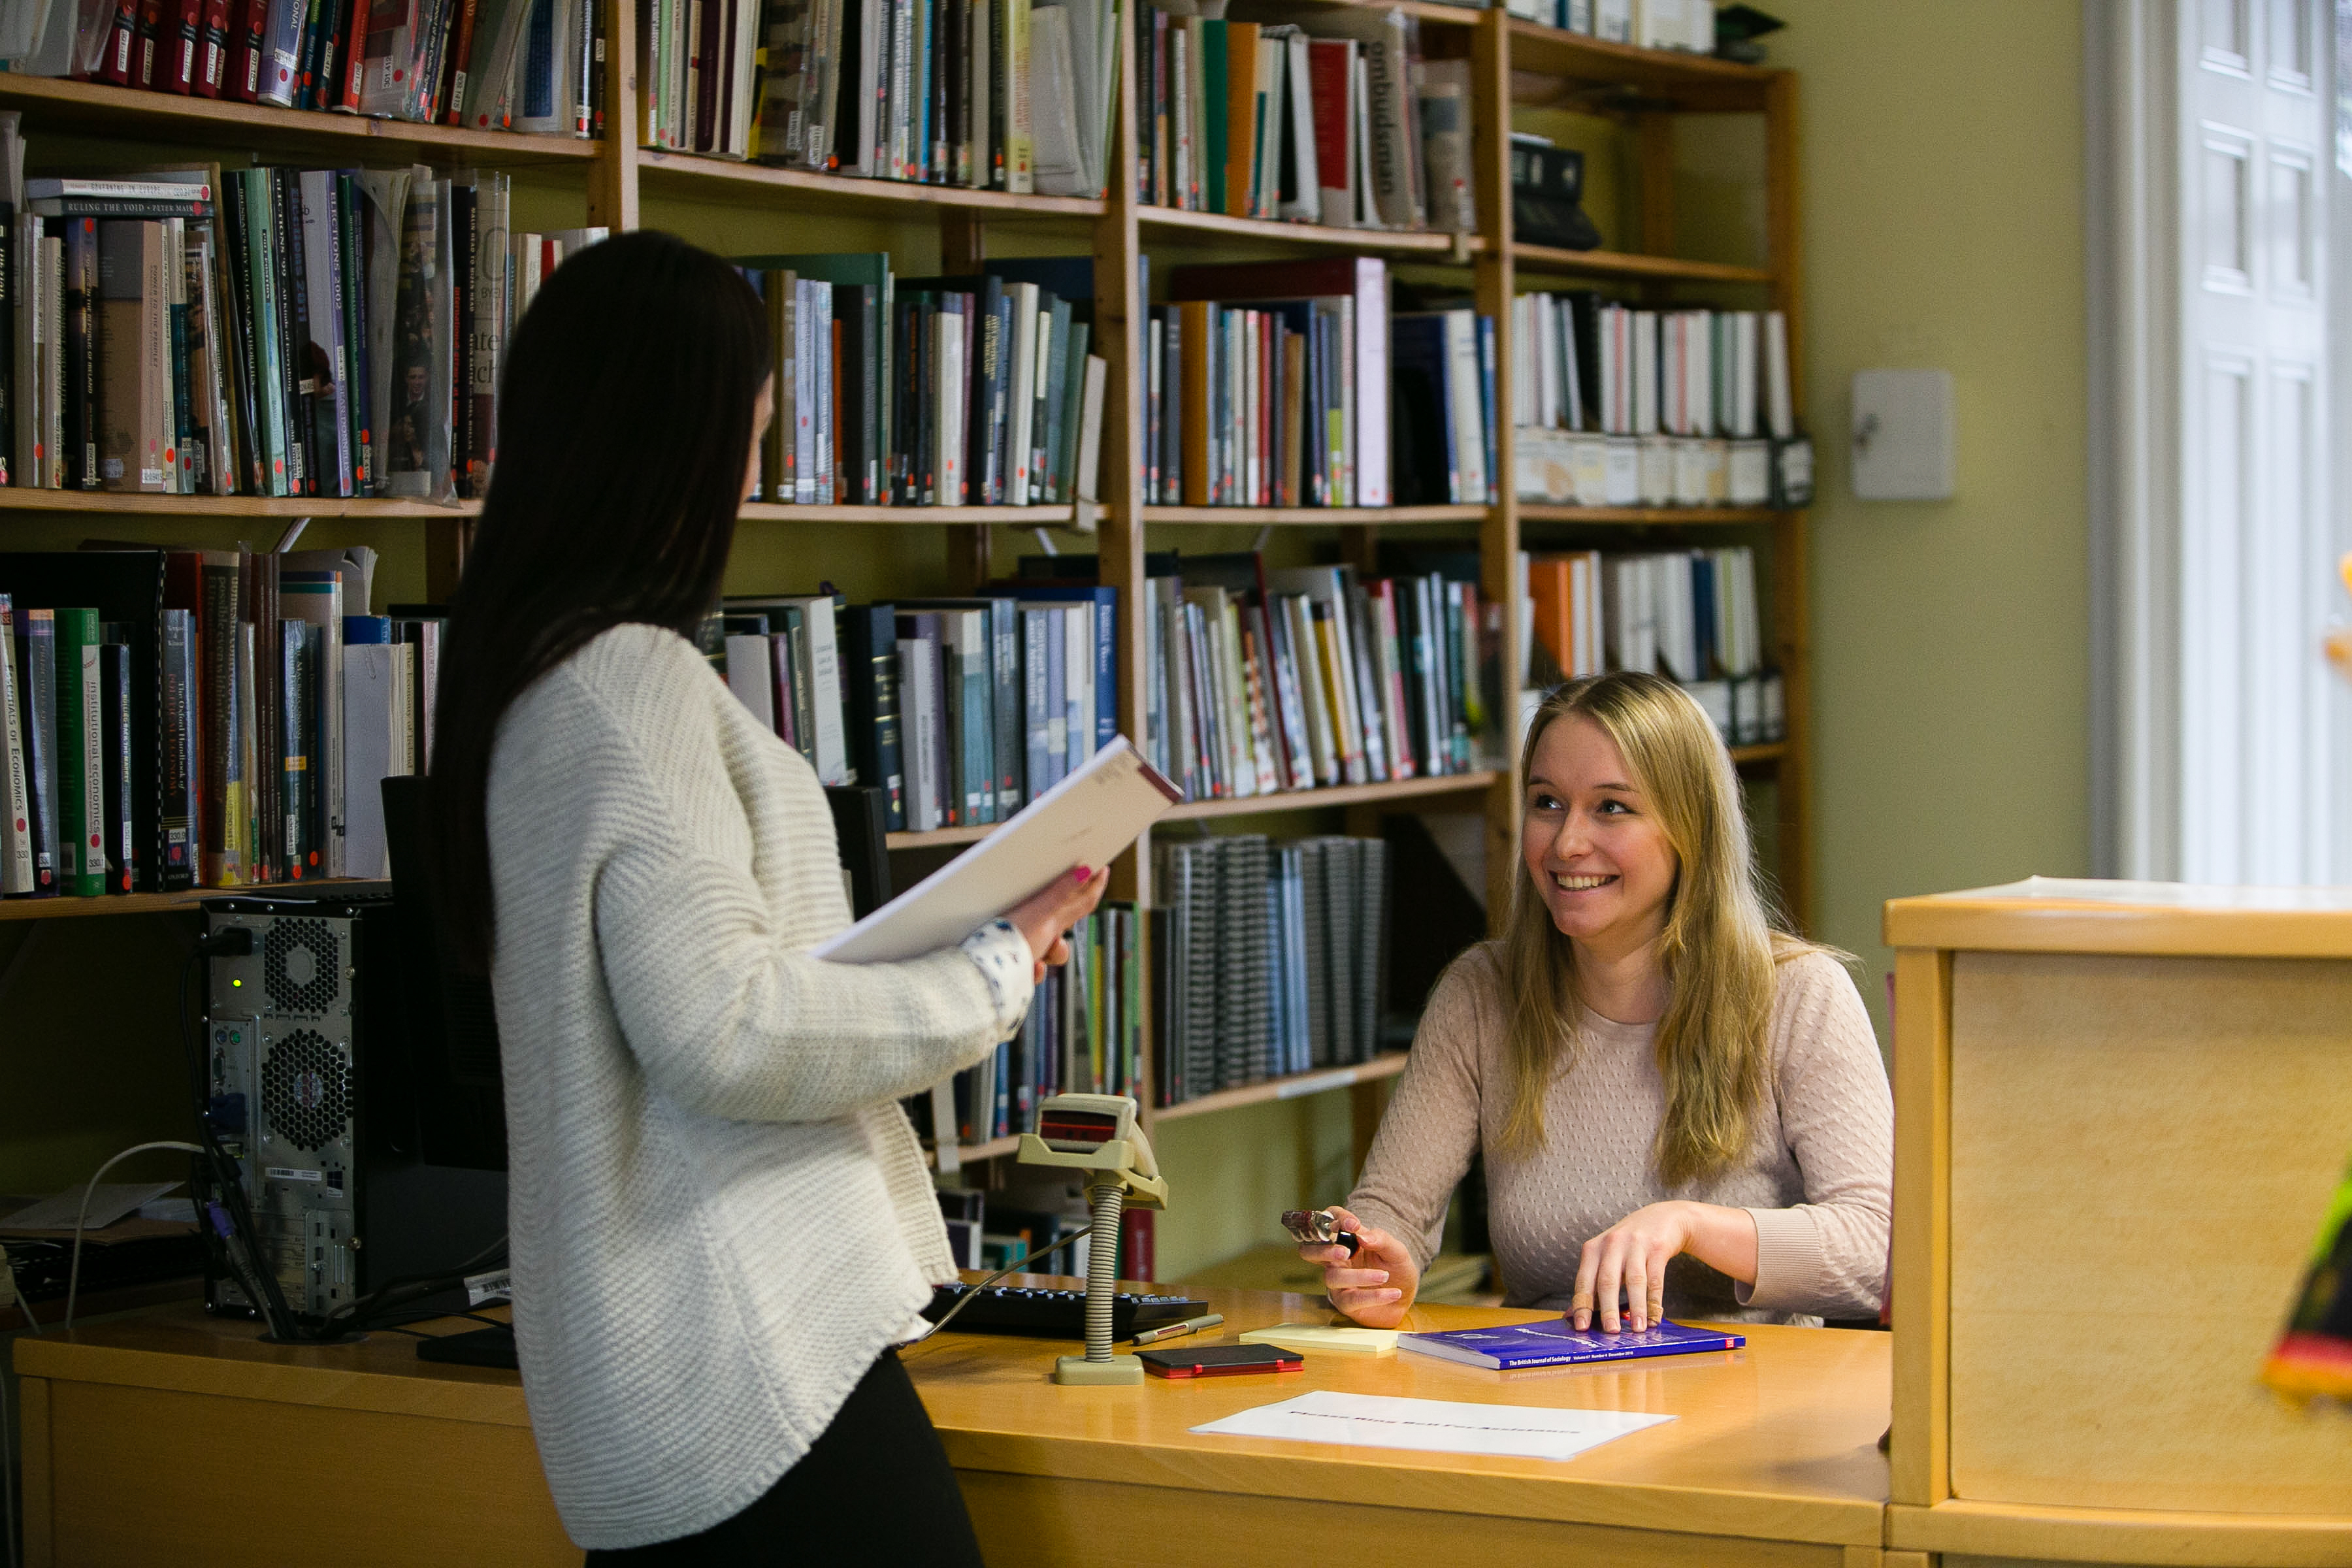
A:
[1557,1343]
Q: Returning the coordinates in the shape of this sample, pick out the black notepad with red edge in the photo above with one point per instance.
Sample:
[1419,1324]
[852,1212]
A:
[1219,1361]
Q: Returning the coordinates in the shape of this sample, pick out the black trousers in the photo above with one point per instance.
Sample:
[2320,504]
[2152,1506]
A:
[876,1487]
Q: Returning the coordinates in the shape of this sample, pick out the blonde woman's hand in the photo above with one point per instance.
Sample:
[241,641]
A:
[1045,917]
[1376,1286]
[1631,1257]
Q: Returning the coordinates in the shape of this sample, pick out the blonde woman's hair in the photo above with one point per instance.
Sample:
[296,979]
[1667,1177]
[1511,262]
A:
[1719,950]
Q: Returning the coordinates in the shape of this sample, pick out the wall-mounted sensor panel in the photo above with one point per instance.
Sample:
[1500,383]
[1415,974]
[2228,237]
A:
[1903,435]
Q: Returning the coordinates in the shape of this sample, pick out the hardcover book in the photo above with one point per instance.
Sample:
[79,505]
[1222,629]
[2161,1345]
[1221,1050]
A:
[1554,1342]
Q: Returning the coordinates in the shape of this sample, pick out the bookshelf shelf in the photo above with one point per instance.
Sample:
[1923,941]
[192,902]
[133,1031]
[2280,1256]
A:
[1344,795]
[1010,516]
[719,176]
[1320,1081]
[1310,516]
[55,103]
[1760,757]
[1630,264]
[117,503]
[1420,244]
[1646,516]
[155,903]
[994,1149]
[942,837]
[1685,81]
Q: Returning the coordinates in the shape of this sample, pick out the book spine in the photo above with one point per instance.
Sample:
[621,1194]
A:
[37,650]
[82,765]
[16,878]
[121,854]
[181,754]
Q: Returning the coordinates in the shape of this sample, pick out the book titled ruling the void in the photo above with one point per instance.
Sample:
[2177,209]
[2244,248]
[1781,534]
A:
[1555,1343]
[1085,820]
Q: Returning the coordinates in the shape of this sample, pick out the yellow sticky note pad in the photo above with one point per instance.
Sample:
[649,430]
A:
[1327,1338]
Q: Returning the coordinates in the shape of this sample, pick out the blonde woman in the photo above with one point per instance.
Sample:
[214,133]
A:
[1678,1104]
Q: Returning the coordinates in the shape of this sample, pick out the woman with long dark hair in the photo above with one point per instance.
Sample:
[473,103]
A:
[720,1219]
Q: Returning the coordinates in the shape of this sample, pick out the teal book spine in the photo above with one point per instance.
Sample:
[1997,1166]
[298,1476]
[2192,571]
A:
[1214,89]
[260,241]
[82,759]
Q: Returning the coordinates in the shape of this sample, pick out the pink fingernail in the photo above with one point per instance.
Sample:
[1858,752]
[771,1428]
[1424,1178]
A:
[1084,874]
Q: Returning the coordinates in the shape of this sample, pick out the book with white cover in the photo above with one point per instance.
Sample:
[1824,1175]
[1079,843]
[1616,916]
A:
[1095,813]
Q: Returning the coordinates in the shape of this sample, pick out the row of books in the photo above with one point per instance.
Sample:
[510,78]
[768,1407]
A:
[1619,406]
[246,714]
[974,390]
[1324,117]
[962,710]
[1083,1035]
[1265,681]
[1269,958]
[280,332]
[1683,26]
[1692,615]
[531,65]
[1008,95]
[1583,363]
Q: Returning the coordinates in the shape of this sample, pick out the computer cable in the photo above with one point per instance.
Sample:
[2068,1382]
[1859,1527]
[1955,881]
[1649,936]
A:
[81,1219]
[973,1294]
[9,1271]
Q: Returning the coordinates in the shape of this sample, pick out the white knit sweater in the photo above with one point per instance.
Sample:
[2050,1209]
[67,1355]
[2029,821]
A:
[719,1216]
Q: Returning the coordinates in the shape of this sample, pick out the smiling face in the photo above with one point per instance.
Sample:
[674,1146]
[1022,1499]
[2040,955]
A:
[1601,861]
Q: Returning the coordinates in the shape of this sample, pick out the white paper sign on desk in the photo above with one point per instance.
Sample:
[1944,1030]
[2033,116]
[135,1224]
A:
[1433,1425]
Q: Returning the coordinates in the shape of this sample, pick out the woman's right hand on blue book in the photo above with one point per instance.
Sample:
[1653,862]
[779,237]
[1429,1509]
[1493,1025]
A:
[1375,1286]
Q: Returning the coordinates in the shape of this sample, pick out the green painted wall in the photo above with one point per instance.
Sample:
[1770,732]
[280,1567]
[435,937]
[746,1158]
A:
[1943,227]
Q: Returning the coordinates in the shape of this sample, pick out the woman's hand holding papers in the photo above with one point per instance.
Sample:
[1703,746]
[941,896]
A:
[1045,917]
[1375,1286]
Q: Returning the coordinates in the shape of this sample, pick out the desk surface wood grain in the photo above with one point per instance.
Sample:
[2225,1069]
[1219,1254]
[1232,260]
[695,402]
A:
[1775,1442]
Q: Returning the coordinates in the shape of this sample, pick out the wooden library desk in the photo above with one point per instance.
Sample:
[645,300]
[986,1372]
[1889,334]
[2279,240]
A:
[174,1437]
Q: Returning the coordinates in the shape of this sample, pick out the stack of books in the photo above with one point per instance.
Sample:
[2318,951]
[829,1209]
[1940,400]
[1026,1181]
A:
[1261,682]
[1270,958]
[962,710]
[1324,117]
[1691,614]
[259,331]
[1006,95]
[532,65]
[1621,406]
[243,705]
[979,390]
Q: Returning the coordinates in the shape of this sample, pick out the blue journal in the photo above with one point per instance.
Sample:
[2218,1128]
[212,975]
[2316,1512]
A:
[1555,1343]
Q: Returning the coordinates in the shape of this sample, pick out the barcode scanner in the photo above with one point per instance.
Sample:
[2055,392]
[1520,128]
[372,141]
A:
[1319,1228]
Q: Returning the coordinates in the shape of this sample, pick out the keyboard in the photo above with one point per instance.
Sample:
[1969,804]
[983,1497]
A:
[1055,1314]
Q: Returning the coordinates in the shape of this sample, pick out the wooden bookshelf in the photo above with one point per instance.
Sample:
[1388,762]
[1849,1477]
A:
[1419,244]
[689,173]
[1547,259]
[187,899]
[615,178]
[1309,516]
[1342,794]
[1646,516]
[53,103]
[1320,1081]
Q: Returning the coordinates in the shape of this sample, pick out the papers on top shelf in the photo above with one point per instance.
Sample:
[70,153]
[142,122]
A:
[1085,820]
[1433,1425]
[108,1202]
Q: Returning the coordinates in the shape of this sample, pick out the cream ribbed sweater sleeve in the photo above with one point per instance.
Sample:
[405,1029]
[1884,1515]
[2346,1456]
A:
[726,1019]
[1827,1254]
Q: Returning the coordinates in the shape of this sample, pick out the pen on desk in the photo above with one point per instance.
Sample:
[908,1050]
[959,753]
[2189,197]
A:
[1189,1326]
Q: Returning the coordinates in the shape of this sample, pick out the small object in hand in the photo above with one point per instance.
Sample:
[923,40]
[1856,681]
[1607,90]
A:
[1319,1228]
